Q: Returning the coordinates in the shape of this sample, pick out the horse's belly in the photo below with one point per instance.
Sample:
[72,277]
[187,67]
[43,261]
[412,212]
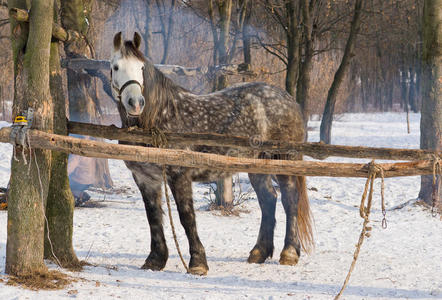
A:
[206,175]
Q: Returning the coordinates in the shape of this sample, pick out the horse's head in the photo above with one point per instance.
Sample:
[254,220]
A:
[127,65]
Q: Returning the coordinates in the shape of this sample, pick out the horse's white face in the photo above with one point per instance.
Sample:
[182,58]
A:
[127,75]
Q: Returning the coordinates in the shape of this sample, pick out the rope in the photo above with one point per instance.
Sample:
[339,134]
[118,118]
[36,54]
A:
[177,246]
[437,170]
[57,261]
[159,140]
[364,212]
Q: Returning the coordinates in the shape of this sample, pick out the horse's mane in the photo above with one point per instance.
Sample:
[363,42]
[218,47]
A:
[161,95]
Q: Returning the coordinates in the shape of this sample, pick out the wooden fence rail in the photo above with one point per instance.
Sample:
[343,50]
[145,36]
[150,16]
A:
[185,158]
[78,64]
[253,144]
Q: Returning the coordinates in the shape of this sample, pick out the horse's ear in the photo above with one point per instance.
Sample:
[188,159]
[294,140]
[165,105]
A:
[137,40]
[117,41]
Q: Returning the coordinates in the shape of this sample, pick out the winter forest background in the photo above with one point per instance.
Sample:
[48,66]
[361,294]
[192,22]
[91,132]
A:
[383,75]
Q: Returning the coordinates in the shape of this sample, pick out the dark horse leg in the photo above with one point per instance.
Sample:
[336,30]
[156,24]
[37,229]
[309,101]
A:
[262,184]
[149,183]
[180,184]
[290,198]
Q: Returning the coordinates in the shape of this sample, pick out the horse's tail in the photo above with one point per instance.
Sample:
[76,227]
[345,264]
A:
[305,219]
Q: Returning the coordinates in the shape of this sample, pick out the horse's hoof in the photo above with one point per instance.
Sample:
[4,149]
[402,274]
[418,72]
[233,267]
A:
[256,257]
[289,257]
[150,265]
[199,270]
[198,264]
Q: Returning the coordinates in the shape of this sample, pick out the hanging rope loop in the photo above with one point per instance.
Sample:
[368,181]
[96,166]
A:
[159,140]
[364,211]
[437,174]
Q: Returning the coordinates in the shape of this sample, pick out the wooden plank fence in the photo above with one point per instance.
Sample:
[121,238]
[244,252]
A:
[187,158]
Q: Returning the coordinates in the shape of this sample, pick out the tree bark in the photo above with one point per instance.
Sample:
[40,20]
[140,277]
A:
[431,113]
[29,182]
[60,201]
[327,116]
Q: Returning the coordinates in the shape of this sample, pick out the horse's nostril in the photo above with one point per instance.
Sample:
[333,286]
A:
[142,102]
[131,102]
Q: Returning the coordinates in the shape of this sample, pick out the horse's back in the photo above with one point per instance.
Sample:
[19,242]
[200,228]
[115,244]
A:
[260,109]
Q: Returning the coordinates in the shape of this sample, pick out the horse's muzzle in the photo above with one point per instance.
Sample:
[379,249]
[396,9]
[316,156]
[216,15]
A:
[135,106]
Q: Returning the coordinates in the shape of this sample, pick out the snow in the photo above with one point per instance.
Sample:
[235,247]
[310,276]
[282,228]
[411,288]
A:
[402,262]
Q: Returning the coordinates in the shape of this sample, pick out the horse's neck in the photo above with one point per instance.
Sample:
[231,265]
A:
[161,93]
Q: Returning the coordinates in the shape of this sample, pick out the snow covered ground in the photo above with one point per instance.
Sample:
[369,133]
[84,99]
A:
[402,262]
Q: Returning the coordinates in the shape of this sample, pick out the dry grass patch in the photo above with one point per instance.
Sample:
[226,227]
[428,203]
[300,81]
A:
[51,280]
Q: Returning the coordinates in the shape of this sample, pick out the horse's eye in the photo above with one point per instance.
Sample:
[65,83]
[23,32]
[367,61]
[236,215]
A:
[115,68]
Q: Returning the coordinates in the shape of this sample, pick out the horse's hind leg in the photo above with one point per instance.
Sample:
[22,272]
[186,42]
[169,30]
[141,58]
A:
[289,198]
[151,191]
[181,186]
[262,184]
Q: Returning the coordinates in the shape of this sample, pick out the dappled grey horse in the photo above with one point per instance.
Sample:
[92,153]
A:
[148,99]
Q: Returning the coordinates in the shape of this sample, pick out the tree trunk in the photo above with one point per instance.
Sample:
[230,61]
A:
[246,35]
[60,201]
[221,44]
[404,87]
[224,191]
[412,100]
[293,43]
[431,113]
[2,104]
[303,83]
[29,182]
[148,30]
[327,116]
[166,30]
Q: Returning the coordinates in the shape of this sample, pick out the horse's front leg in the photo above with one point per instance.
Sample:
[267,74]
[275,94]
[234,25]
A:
[149,183]
[180,184]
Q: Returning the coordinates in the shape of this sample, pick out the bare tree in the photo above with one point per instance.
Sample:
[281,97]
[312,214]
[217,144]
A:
[60,201]
[431,118]
[30,173]
[166,17]
[327,116]
[220,32]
